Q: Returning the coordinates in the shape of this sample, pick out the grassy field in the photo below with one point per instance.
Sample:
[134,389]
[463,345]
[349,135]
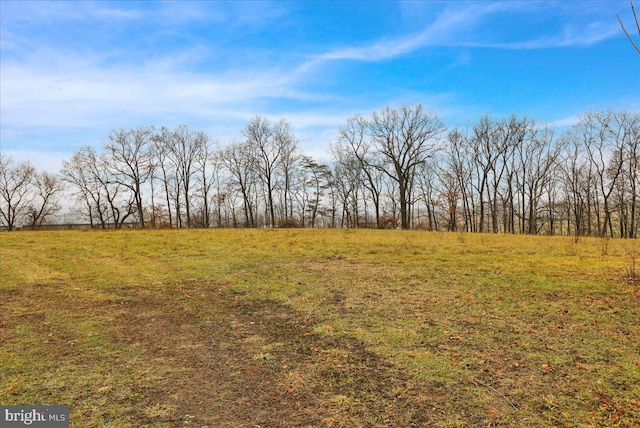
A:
[271,328]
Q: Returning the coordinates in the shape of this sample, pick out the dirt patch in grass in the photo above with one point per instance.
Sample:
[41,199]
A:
[216,358]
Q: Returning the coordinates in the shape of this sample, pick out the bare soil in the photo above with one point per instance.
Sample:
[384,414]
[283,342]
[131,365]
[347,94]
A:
[237,362]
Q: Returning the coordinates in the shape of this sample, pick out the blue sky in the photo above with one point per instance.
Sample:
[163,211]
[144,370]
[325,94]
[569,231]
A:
[72,71]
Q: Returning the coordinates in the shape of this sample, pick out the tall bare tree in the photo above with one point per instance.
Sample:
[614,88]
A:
[347,181]
[427,193]
[460,164]
[541,155]
[289,162]
[624,167]
[78,173]
[131,155]
[317,177]
[15,191]
[354,138]
[44,204]
[259,135]
[450,197]
[406,138]
[237,158]
[271,144]
[106,199]
[162,169]
[204,178]
[599,138]
[183,148]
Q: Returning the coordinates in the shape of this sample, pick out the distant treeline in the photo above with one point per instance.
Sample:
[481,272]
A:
[397,167]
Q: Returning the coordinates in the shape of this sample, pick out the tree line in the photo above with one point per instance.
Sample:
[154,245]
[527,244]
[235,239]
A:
[396,167]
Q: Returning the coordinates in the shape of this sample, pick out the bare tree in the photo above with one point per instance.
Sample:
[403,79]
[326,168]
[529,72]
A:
[624,168]
[78,173]
[354,138]
[577,183]
[270,144]
[26,196]
[541,154]
[317,178]
[289,163]
[160,150]
[406,138]
[106,199]
[596,132]
[237,158]
[204,164]
[460,164]
[44,204]
[15,191]
[131,161]
[427,193]
[449,197]
[183,147]
[259,135]
[485,154]
[221,193]
[347,175]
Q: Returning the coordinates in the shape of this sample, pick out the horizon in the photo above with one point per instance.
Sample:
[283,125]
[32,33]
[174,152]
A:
[73,71]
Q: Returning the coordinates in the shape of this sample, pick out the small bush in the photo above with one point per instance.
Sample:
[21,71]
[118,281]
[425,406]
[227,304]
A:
[288,223]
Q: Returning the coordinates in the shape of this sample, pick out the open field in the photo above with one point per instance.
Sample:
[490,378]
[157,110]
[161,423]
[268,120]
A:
[277,328]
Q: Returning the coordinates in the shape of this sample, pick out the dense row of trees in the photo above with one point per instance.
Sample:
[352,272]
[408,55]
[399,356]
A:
[500,175]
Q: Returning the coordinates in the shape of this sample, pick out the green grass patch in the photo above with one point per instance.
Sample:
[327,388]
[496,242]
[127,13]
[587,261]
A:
[320,327]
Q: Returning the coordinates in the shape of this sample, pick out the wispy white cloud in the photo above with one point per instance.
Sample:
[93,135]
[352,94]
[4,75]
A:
[167,13]
[456,27]
[8,134]
[116,13]
[571,36]
[45,13]
[441,31]
[50,161]
[80,92]
[563,123]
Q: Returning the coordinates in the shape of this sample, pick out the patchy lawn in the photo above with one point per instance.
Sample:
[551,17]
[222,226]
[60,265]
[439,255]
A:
[320,328]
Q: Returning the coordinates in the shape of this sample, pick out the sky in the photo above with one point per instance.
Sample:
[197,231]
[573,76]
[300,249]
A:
[71,72]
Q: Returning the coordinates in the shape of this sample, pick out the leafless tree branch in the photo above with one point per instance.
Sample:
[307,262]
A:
[635,17]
